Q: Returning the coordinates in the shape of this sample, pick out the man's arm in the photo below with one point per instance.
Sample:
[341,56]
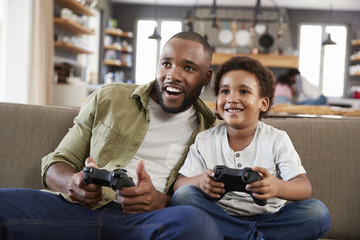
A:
[61,177]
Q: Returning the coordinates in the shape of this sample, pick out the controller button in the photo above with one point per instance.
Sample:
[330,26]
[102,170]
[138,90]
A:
[239,165]
[237,155]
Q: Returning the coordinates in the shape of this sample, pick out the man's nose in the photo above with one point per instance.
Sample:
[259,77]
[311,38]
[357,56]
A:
[174,74]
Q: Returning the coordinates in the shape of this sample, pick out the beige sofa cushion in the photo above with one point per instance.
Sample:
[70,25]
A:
[330,152]
[28,133]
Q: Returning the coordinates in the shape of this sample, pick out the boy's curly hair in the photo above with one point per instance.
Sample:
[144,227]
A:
[264,76]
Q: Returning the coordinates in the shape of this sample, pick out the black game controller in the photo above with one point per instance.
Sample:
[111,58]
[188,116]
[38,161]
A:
[236,180]
[115,179]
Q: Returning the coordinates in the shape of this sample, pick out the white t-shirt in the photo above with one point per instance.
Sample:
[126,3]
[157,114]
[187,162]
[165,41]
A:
[270,148]
[164,143]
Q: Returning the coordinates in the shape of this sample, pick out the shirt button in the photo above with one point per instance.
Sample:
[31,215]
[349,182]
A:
[136,144]
[147,120]
[107,198]
[239,165]
[117,165]
[237,155]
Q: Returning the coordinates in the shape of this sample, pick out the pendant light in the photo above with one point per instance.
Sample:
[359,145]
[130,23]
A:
[257,12]
[328,40]
[156,34]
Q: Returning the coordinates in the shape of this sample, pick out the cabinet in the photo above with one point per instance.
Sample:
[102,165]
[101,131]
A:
[354,69]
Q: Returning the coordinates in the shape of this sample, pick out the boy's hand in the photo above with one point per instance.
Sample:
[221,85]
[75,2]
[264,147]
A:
[266,188]
[209,186]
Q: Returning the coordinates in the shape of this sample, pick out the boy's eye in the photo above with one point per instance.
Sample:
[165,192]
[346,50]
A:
[224,91]
[244,91]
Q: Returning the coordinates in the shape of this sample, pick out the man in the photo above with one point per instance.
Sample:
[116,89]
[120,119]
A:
[145,129]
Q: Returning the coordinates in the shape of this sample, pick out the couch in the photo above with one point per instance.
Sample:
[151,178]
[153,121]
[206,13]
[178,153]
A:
[329,148]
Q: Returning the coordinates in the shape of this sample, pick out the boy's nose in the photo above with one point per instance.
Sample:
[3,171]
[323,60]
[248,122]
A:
[233,98]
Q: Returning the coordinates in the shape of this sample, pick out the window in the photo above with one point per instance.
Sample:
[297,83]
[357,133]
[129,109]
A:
[323,66]
[148,50]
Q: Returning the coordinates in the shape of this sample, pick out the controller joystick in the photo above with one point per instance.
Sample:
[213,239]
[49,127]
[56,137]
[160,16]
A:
[236,180]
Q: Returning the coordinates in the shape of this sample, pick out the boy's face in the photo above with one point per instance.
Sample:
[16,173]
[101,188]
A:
[239,102]
[182,72]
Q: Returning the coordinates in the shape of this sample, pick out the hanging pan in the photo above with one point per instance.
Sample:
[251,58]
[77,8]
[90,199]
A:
[266,40]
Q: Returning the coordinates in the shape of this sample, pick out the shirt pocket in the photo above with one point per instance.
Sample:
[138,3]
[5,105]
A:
[103,143]
[175,153]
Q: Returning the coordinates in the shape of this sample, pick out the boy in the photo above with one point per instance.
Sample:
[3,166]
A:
[245,92]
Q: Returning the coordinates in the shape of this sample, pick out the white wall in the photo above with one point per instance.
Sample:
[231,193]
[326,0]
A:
[15,50]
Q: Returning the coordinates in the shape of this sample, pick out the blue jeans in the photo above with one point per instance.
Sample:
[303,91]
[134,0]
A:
[31,214]
[308,219]
[322,100]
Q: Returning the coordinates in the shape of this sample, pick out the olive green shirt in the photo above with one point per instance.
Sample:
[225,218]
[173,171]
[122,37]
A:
[110,128]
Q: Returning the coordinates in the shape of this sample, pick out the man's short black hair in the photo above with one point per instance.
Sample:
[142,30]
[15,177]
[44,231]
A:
[292,72]
[196,37]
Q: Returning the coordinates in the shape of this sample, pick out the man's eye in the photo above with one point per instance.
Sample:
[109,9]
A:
[189,68]
[166,64]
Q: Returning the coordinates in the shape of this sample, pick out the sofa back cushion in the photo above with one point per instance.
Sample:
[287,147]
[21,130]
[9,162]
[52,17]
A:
[330,152]
[28,133]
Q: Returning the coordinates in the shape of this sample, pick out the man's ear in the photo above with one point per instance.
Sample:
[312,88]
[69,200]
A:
[208,76]
[264,104]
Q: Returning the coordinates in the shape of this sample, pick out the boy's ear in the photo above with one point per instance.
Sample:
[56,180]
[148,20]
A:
[264,104]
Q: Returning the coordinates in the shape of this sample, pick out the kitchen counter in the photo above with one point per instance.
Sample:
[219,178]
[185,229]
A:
[268,60]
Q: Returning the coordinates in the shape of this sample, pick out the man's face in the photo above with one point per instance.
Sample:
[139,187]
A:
[182,72]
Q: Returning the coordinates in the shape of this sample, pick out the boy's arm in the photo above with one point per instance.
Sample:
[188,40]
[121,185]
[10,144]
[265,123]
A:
[298,188]
[203,181]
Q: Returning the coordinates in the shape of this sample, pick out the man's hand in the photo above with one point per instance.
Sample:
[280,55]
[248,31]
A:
[142,198]
[88,194]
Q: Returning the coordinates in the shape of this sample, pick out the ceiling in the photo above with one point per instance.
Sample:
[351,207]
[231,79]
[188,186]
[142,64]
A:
[342,5]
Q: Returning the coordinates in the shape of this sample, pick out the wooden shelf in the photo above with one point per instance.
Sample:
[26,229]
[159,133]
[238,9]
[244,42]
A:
[75,6]
[117,48]
[113,62]
[71,48]
[72,26]
[118,32]
[355,74]
[268,60]
[355,58]
[355,42]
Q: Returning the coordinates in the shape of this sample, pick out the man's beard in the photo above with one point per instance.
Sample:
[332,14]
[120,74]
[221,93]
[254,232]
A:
[188,100]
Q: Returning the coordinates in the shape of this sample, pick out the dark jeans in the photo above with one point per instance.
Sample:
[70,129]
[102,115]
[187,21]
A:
[31,214]
[307,219]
